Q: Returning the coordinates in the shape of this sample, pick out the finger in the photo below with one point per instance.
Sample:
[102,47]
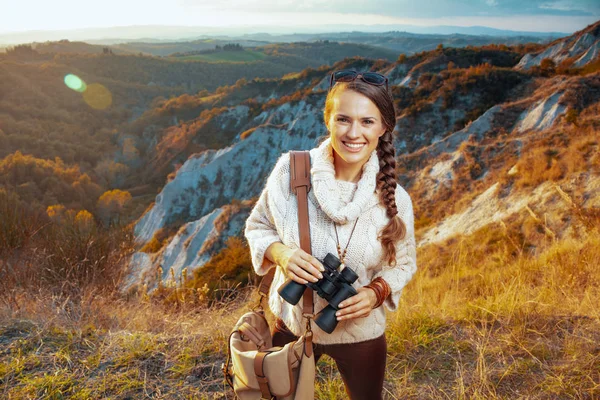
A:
[351,300]
[296,278]
[356,314]
[359,307]
[350,309]
[315,261]
[302,273]
[308,267]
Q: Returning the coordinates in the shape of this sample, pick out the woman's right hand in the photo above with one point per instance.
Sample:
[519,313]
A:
[298,265]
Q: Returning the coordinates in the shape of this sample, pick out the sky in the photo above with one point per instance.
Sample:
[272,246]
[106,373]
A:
[523,15]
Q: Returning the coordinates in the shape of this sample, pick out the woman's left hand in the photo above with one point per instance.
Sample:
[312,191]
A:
[357,306]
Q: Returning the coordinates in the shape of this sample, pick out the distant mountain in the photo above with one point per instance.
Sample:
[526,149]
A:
[398,42]
[161,33]
[406,31]
[479,141]
[395,42]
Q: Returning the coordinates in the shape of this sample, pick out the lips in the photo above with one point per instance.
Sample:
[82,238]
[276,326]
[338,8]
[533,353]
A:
[353,147]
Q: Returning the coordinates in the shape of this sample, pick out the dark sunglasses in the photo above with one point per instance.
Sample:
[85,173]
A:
[348,75]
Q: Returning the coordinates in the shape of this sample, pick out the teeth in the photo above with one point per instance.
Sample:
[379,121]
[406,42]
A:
[354,145]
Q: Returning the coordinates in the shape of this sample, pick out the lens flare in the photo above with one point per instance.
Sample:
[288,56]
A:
[74,82]
[97,96]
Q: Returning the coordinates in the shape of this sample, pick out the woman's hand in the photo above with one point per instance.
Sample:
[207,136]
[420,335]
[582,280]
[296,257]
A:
[357,306]
[297,264]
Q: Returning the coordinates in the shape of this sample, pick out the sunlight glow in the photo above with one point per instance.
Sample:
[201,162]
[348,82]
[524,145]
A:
[97,96]
[74,82]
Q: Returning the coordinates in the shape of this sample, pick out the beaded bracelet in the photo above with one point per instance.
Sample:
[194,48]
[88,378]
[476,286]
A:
[381,288]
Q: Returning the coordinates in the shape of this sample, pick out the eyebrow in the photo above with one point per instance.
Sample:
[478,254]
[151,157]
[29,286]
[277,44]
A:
[344,115]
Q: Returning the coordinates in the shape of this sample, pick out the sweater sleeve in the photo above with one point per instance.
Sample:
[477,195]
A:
[261,227]
[406,254]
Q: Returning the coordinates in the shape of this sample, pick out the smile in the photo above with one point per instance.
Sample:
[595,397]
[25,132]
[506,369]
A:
[355,147]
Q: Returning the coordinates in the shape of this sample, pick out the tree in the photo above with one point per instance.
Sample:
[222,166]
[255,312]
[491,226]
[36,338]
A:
[112,173]
[84,222]
[111,205]
[56,212]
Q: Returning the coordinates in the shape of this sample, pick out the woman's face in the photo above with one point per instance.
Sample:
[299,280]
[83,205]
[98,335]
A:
[355,127]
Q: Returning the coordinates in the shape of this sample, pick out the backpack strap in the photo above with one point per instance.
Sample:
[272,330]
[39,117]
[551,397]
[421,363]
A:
[299,185]
[259,371]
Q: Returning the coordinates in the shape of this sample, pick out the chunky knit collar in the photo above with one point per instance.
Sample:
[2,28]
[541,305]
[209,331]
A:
[325,187]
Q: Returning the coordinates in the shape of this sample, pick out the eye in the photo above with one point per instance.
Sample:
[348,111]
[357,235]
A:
[369,121]
[341,119]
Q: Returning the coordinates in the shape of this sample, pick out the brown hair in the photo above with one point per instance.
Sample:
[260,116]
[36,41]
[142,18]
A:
[395,229]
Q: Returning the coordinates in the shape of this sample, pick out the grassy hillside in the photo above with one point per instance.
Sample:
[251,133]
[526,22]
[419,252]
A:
[508,311]
[482,318]
[41,117]
[230,56]
[166,48]
[67,46]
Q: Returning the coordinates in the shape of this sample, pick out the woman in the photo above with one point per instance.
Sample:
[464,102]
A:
[358,212]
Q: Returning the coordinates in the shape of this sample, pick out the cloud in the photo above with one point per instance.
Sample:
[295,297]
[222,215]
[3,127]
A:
[411,8]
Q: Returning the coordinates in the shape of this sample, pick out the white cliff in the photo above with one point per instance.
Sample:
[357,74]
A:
[584,45]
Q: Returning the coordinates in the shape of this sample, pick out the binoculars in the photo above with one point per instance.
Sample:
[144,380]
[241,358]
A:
[335,287]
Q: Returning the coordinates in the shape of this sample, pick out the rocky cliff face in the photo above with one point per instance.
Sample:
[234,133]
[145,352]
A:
[582,48]
[211,194]
[209,181]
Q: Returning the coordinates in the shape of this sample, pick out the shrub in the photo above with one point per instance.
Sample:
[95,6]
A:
[226,271]
[18,222]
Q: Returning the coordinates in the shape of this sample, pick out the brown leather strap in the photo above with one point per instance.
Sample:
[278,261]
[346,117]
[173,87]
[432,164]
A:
[263,382]
[251,334]
[299,170]
[265,283]
[308,346]
[300,185]
[227,366]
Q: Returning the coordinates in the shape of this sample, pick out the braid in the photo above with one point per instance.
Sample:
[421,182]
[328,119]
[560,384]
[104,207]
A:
[395,229]
[386,183]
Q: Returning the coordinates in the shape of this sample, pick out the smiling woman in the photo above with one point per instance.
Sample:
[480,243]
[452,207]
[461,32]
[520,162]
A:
[355,126]
[358,211]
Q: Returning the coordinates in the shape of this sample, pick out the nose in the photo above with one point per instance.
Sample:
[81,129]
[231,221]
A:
[354,131]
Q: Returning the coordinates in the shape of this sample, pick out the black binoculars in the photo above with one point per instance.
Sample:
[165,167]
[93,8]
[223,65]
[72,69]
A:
[335,287]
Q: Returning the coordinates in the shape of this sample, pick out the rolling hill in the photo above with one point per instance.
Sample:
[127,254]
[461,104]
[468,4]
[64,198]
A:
[467,118]
[499,152]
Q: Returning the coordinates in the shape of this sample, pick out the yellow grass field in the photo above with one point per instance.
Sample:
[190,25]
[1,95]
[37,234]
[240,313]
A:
[481,319]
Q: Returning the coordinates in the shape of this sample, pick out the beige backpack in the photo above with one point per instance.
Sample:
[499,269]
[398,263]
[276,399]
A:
[254,368]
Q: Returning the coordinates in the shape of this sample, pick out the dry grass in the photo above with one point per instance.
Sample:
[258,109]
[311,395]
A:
[482,319]
[500,326]
[98,347]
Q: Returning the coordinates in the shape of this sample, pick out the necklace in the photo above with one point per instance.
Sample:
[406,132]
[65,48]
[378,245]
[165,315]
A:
[341,254]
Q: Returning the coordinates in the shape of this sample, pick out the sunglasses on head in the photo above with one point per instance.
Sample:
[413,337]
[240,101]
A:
[348,75]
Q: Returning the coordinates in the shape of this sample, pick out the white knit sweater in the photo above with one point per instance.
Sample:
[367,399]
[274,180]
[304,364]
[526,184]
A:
[275,218]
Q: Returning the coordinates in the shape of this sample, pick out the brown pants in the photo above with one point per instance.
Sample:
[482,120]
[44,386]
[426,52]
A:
[362,364]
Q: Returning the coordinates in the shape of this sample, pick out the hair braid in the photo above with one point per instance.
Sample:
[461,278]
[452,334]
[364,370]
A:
[395,229]
[386,183]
